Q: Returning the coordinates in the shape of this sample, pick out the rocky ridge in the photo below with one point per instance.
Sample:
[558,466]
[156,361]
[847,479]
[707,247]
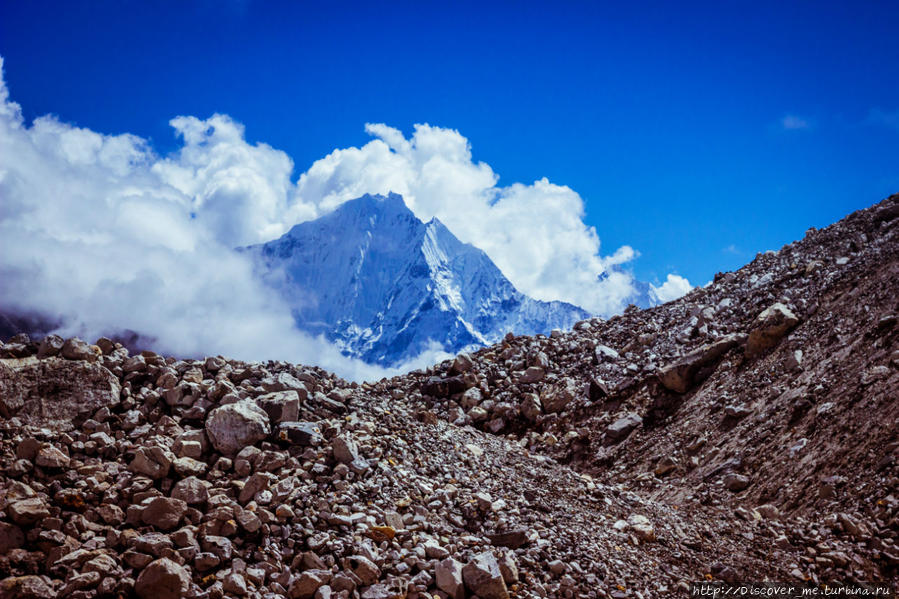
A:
[744,432]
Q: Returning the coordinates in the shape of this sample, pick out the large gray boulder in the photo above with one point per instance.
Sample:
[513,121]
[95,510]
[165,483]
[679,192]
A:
[234,426]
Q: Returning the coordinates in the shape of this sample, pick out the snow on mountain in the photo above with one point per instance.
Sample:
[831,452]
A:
[386,286]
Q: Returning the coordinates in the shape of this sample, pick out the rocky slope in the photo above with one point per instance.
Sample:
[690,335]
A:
[744,432]
[385,286]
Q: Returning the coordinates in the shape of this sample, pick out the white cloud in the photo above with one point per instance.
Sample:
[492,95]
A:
[101,231]
[97,231]
[535,233]
[675,286]
[791,122]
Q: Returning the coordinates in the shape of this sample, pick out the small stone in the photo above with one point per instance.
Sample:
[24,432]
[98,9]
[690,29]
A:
[641,527]
[533,374]
[191,490]
[164,513]
[365,569]
[154,461]
[301,433]
[735,482]
[621,428]
[50,456]
[513,539]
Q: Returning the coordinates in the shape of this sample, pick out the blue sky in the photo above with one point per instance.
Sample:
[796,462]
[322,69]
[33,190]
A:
[699,135]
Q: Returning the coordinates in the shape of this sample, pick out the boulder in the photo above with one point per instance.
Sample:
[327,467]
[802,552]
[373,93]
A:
[598,390]
[681,375]
[11,537]
[513,539]
[27,512]
[365,569]
[483,578]
[54,392]
[281,406]
[153,461]
[769,327]
[50,346]
[557,397]
[307,583]
[641,527]
[164,513]
[234,426]
[76,349]
[301,433]
[162,579]
[620,429]
[604,353]
[449,578]
[462,364]
[735,482]
[443,387]
[50,456]
[285,382]
[530,407]
[533,374]
[26,587]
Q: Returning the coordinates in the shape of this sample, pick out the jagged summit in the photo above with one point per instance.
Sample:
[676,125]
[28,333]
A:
[386,286]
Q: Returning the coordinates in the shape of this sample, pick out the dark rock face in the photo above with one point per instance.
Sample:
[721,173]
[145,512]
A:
[641,453]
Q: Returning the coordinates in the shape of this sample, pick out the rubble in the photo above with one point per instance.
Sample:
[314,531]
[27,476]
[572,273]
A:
[742,432]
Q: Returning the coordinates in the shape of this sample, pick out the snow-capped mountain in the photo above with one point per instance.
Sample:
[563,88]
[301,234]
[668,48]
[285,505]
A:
[385,286]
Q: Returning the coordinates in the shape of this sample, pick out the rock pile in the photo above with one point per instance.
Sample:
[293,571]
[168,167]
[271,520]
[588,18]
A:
[746,431]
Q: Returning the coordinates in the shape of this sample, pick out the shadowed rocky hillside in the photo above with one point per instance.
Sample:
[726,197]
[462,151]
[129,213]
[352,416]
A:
[744,432]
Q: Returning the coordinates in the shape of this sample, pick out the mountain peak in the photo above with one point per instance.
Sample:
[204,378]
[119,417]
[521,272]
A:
[392,203]
[383,285]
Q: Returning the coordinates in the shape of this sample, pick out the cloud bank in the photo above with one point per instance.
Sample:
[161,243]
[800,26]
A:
[675,286]
[103,233]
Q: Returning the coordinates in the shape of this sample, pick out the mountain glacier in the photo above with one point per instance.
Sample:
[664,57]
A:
[385,286]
